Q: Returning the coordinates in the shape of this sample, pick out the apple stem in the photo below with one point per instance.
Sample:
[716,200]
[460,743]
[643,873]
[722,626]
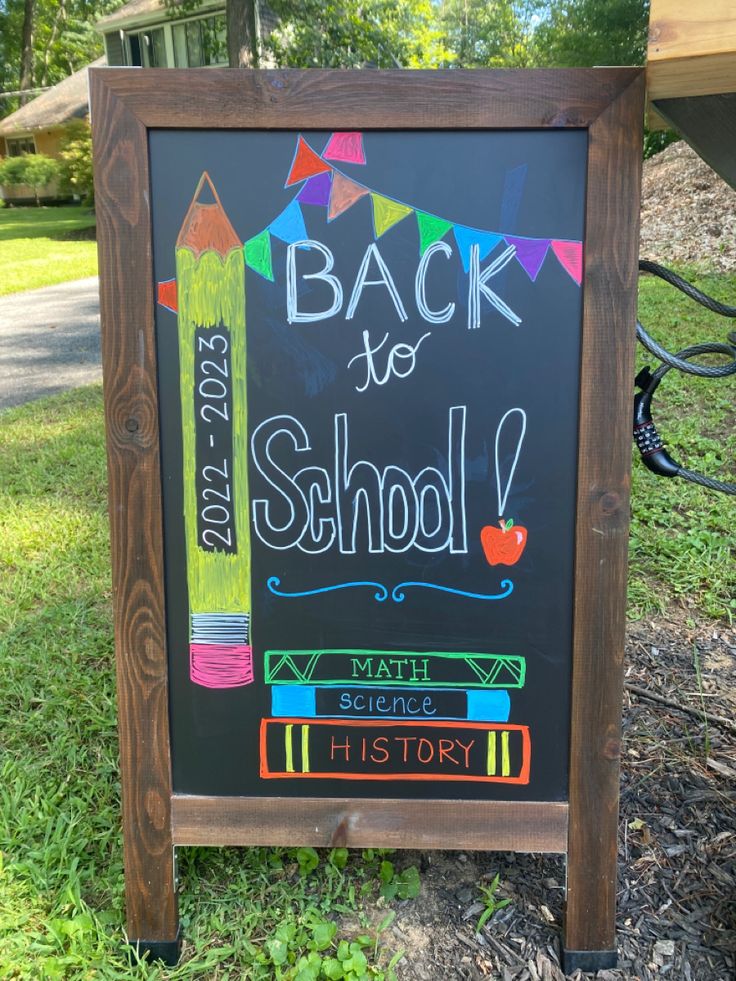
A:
[502,523]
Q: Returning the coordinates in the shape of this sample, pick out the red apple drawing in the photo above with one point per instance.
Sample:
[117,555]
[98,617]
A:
[503,545]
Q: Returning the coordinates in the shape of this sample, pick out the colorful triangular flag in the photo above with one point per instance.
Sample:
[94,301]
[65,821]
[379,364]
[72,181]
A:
[530,253]
[289,226]
[345,146]
[258,254]
[306,163]
[570,255]
[431,229]
[343,195]
[167,295]
[387,213]
[316,190]
[465,237]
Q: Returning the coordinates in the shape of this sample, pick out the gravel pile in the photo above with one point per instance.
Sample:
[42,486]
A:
[688,212]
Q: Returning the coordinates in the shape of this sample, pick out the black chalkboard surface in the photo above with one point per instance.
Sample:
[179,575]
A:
[369,360]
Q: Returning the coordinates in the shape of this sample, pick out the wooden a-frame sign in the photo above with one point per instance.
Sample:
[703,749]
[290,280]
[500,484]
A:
[367,344]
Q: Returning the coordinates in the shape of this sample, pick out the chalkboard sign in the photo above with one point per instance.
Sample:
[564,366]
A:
[366,379]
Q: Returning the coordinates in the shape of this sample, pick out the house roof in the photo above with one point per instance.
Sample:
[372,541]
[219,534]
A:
[137,13]
[67,100]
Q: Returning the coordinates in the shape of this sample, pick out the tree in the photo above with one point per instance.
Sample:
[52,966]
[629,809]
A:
[491,33]
[355,34]
[594,32]
[32,170]
[26,53]
[243,33]
[43,41]
[75,153]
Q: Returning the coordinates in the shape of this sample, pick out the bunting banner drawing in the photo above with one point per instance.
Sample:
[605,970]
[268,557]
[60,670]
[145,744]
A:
[387,213]
[258,254]
[316,190]
[570,255]
[346,147]
[343,195]
[289,226]
[306,163]
[530,253]
[323,185]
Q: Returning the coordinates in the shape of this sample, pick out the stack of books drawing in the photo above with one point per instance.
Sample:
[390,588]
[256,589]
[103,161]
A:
[393,715]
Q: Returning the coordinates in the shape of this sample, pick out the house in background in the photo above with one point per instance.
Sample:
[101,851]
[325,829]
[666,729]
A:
[40,125]
[142,33]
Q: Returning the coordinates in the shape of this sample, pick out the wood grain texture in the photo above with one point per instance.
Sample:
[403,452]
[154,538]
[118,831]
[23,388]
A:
[346,822]
[222,99]
[684,29]
[131,416]
[604,457]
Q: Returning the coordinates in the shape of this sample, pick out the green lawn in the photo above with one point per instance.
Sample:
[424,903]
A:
[38,247]
[251,913]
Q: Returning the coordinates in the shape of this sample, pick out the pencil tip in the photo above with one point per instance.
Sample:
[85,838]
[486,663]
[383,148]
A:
[206,226]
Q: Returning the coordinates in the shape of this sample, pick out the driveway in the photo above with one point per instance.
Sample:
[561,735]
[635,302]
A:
[49,341]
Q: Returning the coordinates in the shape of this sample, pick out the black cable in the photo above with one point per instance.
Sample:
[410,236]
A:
[678,361]
[645,265]
[648,440]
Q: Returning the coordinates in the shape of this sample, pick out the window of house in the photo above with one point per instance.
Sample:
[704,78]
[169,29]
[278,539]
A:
[152,48]
[20,145]
[199,43]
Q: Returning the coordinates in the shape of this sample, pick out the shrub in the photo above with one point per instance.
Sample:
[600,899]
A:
[76,161]
[35,170]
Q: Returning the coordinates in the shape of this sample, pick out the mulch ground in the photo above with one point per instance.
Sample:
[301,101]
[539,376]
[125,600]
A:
[677,840]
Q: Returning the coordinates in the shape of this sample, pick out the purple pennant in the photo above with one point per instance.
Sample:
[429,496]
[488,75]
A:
[530,253]
[316,190]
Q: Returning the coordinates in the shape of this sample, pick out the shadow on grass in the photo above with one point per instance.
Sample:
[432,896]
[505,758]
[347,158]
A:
[59,224]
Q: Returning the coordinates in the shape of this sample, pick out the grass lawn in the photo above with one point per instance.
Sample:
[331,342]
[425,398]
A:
[38,247]
[251,913]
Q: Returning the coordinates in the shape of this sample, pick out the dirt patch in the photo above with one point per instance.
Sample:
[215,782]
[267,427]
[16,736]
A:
[677,841]
[688,213]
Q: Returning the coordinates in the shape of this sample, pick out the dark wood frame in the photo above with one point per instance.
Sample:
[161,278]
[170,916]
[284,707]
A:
[609,104]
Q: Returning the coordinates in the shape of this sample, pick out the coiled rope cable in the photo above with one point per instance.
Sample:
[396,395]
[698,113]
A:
[648,440]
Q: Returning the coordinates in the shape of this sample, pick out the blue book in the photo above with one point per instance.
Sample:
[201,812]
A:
[338,702]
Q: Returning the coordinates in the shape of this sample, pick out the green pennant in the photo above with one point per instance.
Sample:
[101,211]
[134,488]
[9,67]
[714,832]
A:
[258,254]
[431,229]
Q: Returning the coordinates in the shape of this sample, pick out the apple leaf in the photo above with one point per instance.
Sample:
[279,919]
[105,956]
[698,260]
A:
[509,524]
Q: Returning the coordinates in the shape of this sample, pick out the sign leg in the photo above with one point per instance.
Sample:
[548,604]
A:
[152,909]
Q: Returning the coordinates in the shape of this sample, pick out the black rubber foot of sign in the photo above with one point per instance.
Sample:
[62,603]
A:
[588,960]
[167,951]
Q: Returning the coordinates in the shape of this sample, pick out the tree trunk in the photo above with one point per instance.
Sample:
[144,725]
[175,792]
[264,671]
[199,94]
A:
[26,57]
[243,33]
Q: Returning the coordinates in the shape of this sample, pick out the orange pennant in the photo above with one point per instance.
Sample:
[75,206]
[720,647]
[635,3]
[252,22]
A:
[344,194]
[306,163]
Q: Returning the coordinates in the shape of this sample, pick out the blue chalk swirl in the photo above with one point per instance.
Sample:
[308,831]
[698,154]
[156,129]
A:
[398,596]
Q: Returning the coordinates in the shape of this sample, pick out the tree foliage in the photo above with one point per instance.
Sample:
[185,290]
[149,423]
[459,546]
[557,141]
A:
[355,34]
[63,41]
[491,33]
[583,33]
[76,161]
[34,170]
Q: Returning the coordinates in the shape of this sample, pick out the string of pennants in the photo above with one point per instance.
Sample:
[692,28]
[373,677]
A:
[323,185]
